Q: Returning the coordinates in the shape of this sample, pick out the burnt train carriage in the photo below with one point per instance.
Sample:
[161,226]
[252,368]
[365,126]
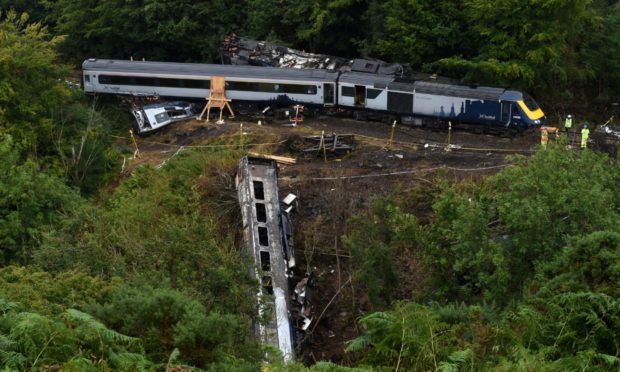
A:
[267,239]
[384,96]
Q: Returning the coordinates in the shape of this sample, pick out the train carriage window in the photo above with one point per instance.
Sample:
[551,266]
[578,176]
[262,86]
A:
[265,261]
[87,77]
[373,93]
[299,89]
[146,81]
[348,91]
[153,81]
[259,191]
[172,83]
[250,86]
[197,84]
[268,284]
[115,80]
[530,103]
[261,212]
[263,236]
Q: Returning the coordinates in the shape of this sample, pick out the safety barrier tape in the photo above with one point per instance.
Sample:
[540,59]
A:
[440,145]
[199,146]
[385,141]
[413,171]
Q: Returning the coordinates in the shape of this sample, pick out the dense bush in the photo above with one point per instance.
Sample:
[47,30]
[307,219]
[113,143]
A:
[523,271]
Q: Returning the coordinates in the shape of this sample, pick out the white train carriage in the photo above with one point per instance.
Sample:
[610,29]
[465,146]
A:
[192,81]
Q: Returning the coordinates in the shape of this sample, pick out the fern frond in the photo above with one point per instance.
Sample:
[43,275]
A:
[91,323]
[7,306]
[359,343]
[172,358]
[12,360]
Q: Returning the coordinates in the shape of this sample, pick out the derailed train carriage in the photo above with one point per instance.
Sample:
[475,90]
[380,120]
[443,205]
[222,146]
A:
[365,94]
[267,237]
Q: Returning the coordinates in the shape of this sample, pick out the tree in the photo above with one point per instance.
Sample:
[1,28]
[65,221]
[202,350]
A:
[533,44]
[417,31]
[153,29]
[30,82]
[166,320]
[30,200]
[73,341]
[491,238]
[377,241]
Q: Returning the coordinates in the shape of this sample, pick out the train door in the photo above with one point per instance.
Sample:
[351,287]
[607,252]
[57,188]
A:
[506,112]
[328,94]
[360,95]
[87,85]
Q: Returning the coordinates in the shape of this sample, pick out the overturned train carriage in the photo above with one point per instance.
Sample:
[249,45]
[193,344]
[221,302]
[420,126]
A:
[365,94]
[267,239]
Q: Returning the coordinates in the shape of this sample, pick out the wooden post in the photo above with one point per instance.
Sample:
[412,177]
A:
[323,142]
[449,135]
[392,135]
[136,154]
[241,136]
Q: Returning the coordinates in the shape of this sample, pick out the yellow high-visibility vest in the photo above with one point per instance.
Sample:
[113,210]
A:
[568,123]
[585,133]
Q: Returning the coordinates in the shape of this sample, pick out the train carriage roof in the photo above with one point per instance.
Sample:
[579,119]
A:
[489,93]
[429,87]
[362,78]
[200,69]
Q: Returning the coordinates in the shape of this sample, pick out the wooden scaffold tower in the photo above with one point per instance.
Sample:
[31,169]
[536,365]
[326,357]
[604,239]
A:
[217,99]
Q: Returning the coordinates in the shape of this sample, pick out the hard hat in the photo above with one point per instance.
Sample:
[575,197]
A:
[569,116]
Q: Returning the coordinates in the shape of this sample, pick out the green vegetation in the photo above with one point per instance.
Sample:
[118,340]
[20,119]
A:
[521,270]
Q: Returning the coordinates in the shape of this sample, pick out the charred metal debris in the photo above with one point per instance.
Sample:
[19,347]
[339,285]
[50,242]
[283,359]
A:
[329,144]
[153,116]
[268,240]
[238,50]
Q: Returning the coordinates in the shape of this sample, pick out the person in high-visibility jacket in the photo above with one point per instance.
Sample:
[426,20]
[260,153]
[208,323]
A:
[568,123]
[544,137]
[585,133]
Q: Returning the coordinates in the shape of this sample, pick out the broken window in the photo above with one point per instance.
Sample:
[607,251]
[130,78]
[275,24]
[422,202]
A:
[259,192]
[265,263]
[261,212]
[268,284]
[263,236]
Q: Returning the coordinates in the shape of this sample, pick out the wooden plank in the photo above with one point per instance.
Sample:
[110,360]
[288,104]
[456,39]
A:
[279,159]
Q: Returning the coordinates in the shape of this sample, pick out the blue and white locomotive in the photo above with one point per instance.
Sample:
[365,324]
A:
[410,101]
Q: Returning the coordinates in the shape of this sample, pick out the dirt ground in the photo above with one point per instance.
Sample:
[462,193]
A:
[330,191]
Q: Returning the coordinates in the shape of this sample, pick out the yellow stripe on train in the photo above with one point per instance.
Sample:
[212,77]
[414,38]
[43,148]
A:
[533,115]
